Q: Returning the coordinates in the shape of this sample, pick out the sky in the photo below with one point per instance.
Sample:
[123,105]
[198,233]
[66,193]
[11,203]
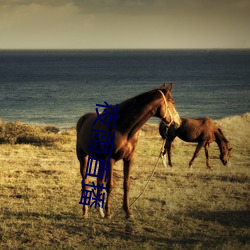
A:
[124,24]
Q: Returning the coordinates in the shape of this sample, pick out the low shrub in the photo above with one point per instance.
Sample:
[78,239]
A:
[22,133]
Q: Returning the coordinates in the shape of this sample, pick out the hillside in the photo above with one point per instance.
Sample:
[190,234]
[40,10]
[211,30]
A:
[182,208]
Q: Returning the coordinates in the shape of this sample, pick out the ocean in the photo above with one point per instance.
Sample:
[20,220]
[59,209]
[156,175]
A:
[57,87]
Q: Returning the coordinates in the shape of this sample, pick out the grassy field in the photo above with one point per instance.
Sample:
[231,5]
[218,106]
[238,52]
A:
[182,208]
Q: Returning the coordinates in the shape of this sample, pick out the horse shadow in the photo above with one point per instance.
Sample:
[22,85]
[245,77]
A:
[134,231]
[237,219]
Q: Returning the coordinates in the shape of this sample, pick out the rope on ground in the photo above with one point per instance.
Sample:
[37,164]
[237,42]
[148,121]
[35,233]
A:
[150,177]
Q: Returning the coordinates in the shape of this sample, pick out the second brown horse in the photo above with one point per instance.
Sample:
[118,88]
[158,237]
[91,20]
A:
[202,131]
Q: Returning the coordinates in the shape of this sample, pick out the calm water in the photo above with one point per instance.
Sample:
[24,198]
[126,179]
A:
[57,87]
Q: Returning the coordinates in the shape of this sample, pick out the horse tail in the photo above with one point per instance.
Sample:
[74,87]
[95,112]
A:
[79,151]
[79,124]
[163,130]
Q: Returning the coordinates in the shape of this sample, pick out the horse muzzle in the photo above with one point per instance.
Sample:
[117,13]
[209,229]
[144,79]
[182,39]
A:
[224,161]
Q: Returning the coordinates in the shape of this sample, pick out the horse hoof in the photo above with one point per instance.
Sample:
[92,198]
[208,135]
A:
[101,213]
[108,216]
[130,217]
[85,216]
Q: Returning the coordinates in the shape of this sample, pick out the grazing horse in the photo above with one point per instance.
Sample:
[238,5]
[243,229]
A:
[133,113]
[203,131]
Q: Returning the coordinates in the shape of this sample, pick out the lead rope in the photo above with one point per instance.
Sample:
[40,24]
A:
[162,149]
[150,177]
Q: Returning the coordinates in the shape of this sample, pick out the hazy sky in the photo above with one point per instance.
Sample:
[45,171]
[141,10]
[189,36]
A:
[91,24]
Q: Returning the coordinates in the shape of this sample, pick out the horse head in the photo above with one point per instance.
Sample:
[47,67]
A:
[224,148]
[224,157]
[167,111]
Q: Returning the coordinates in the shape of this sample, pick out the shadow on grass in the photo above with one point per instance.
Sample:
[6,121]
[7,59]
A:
[35,215]
[139,234]
[236,219]
[119,230]
[100,231]
[224,178]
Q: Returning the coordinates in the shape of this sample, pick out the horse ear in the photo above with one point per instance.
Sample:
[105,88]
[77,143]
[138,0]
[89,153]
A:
[169,88]
[163,86]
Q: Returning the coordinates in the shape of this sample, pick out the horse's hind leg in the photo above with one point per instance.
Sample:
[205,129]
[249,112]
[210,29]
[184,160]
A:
[82,157]
[207,155]
[196,152]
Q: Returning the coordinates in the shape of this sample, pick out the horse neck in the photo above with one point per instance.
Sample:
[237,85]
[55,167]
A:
[221,141]
[135,112]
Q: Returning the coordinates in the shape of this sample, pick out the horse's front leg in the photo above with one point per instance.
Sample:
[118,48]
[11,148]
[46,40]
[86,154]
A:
[110,185]
[83,165]
[101,193]
[207,155]
[163,152]
[126,185]
[169,147]
[197,150]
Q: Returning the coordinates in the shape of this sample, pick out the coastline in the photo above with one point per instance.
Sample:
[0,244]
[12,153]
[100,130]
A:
[153,121]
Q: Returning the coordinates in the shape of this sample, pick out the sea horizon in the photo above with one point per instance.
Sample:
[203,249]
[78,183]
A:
[59,86]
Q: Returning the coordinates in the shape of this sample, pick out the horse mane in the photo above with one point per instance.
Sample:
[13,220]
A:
[219,135]
[130,102]
[133,102]
[137,101]
[137,98]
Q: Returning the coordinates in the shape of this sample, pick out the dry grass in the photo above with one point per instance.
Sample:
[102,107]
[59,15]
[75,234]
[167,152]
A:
[181,208]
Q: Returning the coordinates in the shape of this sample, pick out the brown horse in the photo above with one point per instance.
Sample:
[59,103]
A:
[133,113]
[203,131]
